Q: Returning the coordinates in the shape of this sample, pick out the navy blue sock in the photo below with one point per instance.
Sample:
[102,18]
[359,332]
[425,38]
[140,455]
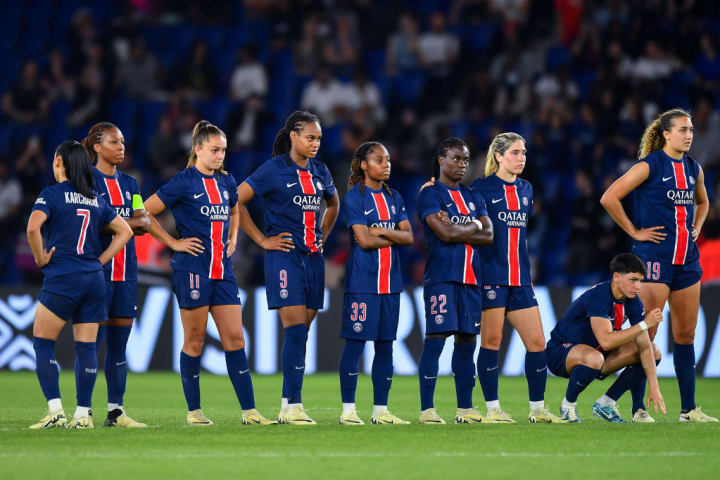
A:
[47,369]
[86,366]
[684,360]
[190,375]
[382,372]
[428,370]
[293,361]
[116,367]
[637,392]
[463,369]
[239,373]
[349,369]
[580,377]
[536,374]
[632,375]
[101,334]
[487,370]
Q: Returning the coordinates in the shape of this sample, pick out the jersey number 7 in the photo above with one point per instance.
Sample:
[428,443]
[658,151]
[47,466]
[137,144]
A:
[81,212]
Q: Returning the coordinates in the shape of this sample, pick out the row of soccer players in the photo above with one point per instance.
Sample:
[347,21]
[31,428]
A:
[477,262]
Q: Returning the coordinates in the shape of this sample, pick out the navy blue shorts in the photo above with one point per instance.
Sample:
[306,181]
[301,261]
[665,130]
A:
[556,353]
[121,298]
[370,316]
[511,298]
[80,297]
[293,278]
[676,277]
[452,307]
[194,290]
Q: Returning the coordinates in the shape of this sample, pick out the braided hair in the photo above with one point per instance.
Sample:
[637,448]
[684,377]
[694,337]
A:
[94,137]
[442,148]
[294,123]
[357,174]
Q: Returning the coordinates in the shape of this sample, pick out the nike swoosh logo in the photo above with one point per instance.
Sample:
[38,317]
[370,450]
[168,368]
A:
[353,374]
[300,368]
[581,384]
[369,211]
[666,179]
[491,369]
[428,378]
[196,376]
[288,185]
[243,371]
[477,324]
[388,379]
[544,368]
[495,200]
[449,205]
[121,363]
[103,193]
[198,195]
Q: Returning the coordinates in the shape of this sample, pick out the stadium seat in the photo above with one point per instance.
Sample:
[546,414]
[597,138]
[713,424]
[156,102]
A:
[478,37]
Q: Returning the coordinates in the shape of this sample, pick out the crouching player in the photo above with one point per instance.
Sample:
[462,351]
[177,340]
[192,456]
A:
[588,342]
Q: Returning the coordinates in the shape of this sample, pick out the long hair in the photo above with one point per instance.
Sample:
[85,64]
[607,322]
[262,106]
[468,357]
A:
[653,138]
[76,161]
[357,174]
[94,136]
[201,133]
[294,123]
[442,148]
[499,145]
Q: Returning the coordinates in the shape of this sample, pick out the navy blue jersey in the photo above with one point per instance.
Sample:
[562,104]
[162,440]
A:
[374,270]
[292,198]
[450,262]
[201,206]
[73,228]
[598,301]
[118,190]
[509,206]
[667,198]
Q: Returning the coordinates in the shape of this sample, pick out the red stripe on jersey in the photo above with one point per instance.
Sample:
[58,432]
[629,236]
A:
[680,180]
[217,268]
[191,282]
[384,266]
[310,238]
[459,202]
[306,182]
[681,235]
[511,197]
[514,256]
[468,272]
[619,315]
[113,188]
[213,192]
[117,273]
[382,206]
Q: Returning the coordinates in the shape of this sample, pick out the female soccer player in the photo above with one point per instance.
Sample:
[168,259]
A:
[671,205]
[204,203]
[106,145]
[292,185]
[455,221]
[69,215]
[376,215]
[507,286]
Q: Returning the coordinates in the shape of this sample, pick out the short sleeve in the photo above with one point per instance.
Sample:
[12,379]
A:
[263,179]
[232,190]
[652,165]
[45,201]
[353,205]
[531,199]
[400,206]
[172,191]
[428,202]
[107,211]
[637,312]
[134,187]
[481,208]
[329,191]
[596,303]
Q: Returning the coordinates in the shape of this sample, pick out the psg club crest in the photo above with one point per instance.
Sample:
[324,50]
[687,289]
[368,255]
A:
[225,194]
[392,209]
[283,294]
[194,294]
[525,201]
[491,294]
[692,180]
[472,206]
[357,327]
[127,194]
[319,185]
[439,319]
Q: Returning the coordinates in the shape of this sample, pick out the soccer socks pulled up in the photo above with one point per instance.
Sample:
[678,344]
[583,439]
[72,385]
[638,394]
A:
[580,377]
[190,375]
[349,369]
[487,370]
[536,374]
[116,367]
[428,370]
[632,375]
[239,373]
[47,369]
[293,362]
[86,366]
[684,360]
[463,369]
[382,372]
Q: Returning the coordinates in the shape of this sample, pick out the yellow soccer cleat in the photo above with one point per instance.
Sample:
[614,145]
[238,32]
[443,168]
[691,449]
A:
[642,416]
[430,417]
[696,415]
[497,415]
[469,415]
[542,415]
[118,418]
[50,420]
[81,422]
[195,418]
[282,416]
[253,417]
[297,416]
[387,418]
[351,418]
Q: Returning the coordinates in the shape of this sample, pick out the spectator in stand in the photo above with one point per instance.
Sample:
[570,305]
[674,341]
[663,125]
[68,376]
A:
[706,137]
[249,77]
[88,98]
[57,81]
[707,66]
[557,87]
[245,123]
[196,76]
[479,96]
[342,49]
[403,47]
[27,101]
[438,53]
[165,155]
[30,168]
[314,31]
[11,221]
[139,76]
[584,229]
[654,64]
[326,97]
[363,94]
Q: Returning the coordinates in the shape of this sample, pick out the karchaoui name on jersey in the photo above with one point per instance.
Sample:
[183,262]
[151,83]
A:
[74,197]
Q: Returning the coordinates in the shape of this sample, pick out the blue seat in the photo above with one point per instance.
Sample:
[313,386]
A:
[407,88]
[150,113]
[332,140]
[557,56]
[215,110]
[478,37]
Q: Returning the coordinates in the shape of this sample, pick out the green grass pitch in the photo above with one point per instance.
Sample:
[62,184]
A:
[593,449]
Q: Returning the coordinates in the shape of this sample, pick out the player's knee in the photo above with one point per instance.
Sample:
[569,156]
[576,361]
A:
[683,336]
[594,360]
[235,341]
[193,346]
[491,341]
[536,344]
[657,353]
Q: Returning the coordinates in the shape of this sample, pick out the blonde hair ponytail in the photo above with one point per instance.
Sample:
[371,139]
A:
[201,133]
[653,138]
[499,144]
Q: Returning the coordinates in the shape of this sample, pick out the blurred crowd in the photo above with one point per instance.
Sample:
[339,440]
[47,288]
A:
[579,79]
